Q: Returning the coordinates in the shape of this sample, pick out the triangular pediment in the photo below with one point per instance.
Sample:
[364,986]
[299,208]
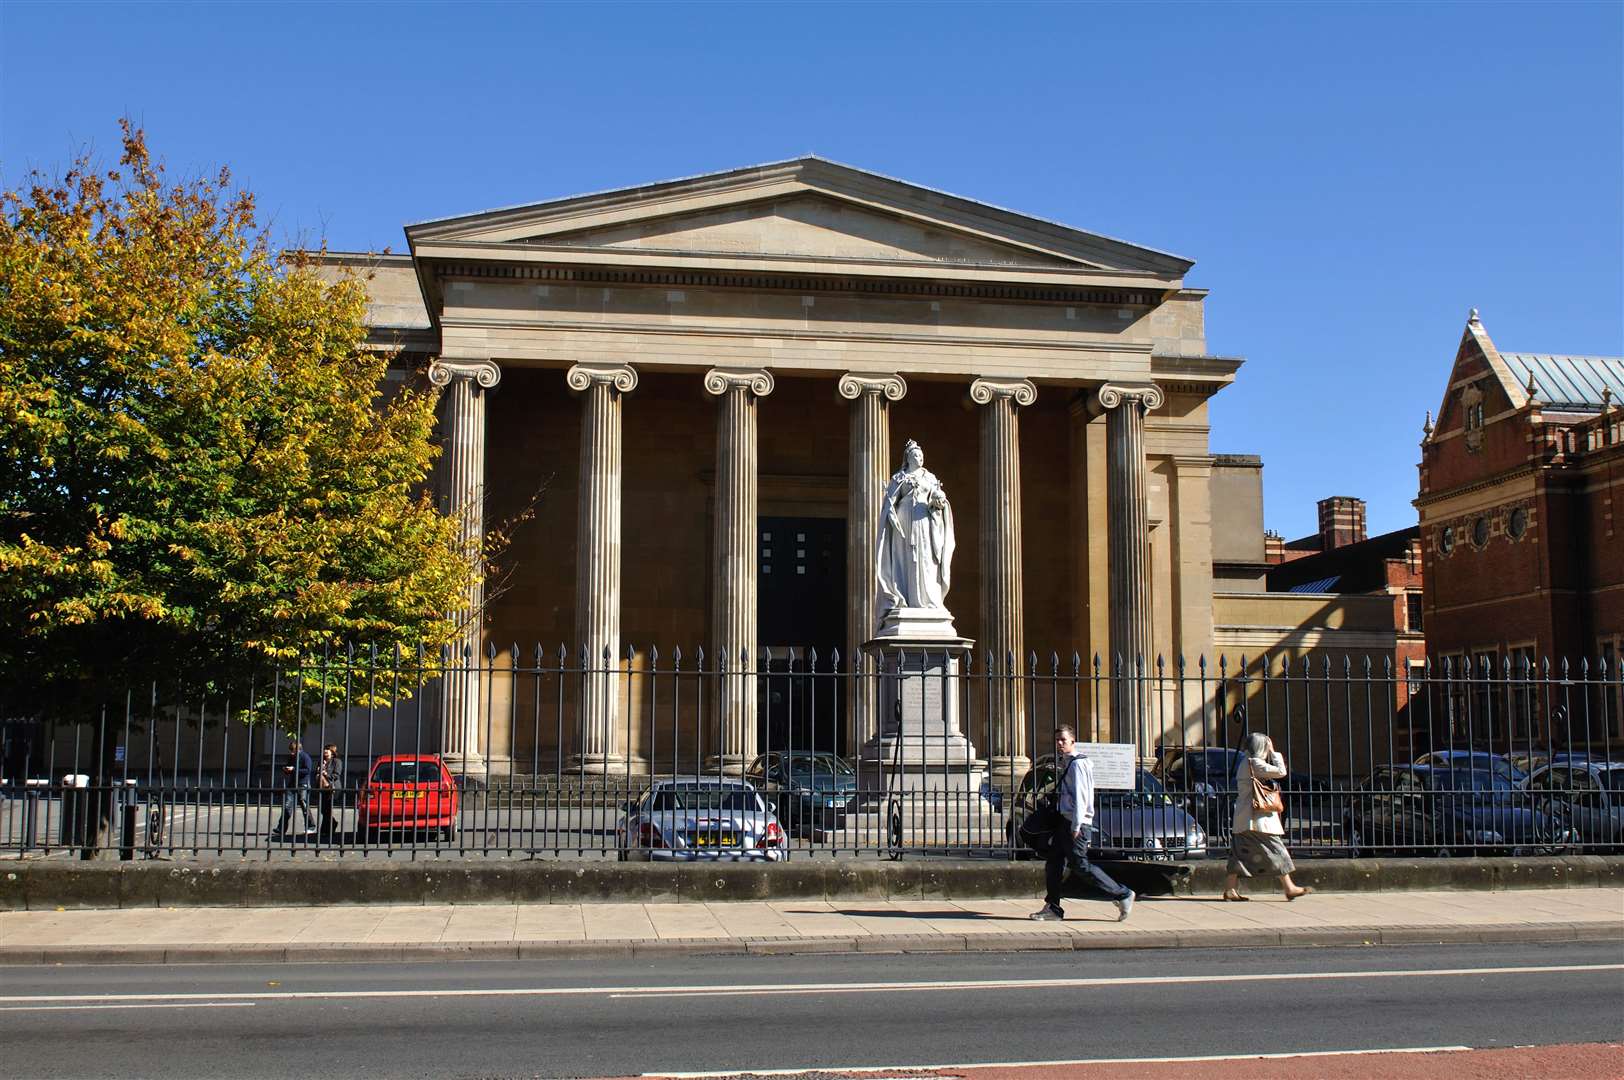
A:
[808,224]
[804,208]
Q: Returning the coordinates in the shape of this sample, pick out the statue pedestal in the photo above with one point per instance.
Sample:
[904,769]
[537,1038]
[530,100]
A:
[920,745]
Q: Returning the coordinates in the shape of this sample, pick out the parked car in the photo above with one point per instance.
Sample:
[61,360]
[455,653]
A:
[1587,795]
[1204,778]
[1420,809]
[1474,759]
[812,791]
[700,818]
[1145,823]
[408,793]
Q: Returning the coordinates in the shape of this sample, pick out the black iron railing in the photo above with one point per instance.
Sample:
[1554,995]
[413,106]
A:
[787,755]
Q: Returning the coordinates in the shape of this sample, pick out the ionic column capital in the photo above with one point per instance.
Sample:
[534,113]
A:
[757,381]
[621,377]
[483,372]
[1113,395]
[853,386]
[985,391]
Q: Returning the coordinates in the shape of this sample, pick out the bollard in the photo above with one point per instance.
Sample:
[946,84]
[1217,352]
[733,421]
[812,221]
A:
[75,810]
[128,807]
[33,791]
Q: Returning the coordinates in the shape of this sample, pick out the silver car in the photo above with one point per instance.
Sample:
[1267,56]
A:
[700,818]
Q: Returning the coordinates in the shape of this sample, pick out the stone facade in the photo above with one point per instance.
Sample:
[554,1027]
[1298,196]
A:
[728,355]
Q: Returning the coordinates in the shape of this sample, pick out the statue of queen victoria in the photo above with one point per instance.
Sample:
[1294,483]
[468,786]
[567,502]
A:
[914,560]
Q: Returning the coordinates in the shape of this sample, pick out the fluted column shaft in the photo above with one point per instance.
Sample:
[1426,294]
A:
[867,462]
[733,597]
[463,427]
[1128,525]
[1003,613]
[597,562]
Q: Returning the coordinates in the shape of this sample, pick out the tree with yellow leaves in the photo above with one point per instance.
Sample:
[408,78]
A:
[199,475]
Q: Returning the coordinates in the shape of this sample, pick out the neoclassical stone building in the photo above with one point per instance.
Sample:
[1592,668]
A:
[710,380]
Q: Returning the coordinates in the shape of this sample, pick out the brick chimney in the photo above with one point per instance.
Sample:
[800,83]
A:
[1274,548]
[1341,521]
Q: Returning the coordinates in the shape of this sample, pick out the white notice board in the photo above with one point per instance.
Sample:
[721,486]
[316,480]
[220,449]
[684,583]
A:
[1114,763]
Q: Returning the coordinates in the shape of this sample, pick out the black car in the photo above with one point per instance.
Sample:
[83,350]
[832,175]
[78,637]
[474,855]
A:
[813,790]
[1145,823]
[1419,809]
[1203,779]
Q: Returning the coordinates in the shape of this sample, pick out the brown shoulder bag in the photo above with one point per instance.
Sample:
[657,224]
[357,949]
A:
[1266,798]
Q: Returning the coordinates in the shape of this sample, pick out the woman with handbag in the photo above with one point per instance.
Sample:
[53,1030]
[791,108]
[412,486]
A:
[1259,846]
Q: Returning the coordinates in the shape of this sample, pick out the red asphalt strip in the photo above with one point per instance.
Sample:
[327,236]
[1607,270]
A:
[1590,1061]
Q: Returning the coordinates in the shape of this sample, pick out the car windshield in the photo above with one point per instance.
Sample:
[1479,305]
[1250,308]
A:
[734,799]
[406,772]
[1475,780]
[818,765]
[1148,792]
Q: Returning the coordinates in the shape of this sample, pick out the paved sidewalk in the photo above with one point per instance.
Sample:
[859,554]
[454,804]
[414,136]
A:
[505,931]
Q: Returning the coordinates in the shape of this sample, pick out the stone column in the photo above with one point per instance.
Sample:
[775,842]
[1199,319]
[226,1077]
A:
[868,467]
[733,588]
[1003,613]
[1125,406]
[597,564]
[463,419]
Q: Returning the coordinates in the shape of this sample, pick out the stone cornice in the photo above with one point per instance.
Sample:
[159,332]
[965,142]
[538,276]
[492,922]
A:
[483,372]
[797,274]
[757,381]
[984,391]
[1113,395]
[853,386]
[621,377]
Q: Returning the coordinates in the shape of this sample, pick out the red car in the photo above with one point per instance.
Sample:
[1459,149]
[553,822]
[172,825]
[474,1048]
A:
[409,793]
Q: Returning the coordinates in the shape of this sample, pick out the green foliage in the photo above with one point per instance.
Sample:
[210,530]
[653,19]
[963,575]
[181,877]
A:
[199,474]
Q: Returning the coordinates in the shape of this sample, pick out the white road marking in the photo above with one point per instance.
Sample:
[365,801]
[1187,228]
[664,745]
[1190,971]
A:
[807,988]
[134,1005]
[1066,1061]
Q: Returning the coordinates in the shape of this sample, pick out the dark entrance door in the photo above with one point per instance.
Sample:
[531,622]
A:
[801,597]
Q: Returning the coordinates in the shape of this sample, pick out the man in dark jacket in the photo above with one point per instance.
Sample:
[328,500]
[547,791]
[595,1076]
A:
[297,774]
[1068,850]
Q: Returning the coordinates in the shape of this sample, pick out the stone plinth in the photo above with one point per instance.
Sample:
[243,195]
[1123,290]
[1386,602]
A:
[921,745]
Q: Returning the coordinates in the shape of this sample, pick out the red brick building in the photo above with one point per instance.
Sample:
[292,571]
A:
[1340,558]
[1522,535]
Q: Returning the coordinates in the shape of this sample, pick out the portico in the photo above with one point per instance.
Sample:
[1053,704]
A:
[679,363]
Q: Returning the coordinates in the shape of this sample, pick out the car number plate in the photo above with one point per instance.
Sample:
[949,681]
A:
[408,795]
[713,839]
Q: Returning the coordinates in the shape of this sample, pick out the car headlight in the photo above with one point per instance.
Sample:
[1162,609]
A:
[1196,838]
[1488,837]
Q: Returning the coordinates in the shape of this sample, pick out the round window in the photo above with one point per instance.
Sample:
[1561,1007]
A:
[1480,531]
[1518,524]
[1446,539]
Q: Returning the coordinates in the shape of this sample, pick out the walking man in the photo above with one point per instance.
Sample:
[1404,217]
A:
[297,774]
[1069,849]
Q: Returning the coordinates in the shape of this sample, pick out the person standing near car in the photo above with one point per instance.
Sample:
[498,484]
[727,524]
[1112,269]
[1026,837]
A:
[297,774]
[329,782]
[1259,846]
[1068,849]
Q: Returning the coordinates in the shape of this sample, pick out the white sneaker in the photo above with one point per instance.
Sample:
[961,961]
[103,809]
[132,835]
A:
[1125,905]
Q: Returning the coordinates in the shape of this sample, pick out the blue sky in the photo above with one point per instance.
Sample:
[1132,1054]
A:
[1349,179]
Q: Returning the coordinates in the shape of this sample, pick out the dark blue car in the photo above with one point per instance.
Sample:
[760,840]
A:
[1442,811]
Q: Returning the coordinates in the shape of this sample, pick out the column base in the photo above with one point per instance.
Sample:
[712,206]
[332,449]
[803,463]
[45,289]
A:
[607,765]
[1006,773]
[465,763]
[728,764]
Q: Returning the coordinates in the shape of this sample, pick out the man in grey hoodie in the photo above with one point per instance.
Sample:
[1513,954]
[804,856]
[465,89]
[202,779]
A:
[1069,850]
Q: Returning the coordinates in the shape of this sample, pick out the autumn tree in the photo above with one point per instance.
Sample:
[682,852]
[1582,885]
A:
[199,475]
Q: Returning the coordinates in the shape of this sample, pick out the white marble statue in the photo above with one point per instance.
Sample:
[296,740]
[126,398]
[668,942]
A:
[915,556]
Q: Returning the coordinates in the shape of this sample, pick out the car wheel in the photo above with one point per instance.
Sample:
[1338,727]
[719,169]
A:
[1442,853]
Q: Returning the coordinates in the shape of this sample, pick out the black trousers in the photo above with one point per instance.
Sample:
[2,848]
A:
[1086,881]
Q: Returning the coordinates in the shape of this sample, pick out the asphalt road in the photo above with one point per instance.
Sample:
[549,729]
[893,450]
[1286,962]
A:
[607,1018]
